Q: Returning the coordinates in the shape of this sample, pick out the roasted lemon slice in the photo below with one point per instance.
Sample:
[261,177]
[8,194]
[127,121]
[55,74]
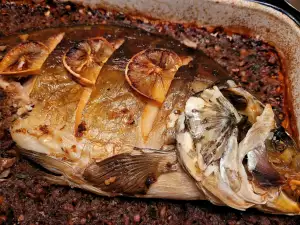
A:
[85,59]
[27,58]
[150,72]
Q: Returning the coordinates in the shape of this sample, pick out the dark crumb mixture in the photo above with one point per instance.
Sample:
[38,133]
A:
[25,198]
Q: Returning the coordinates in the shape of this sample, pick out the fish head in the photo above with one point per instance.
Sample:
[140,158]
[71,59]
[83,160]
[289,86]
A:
[233,147]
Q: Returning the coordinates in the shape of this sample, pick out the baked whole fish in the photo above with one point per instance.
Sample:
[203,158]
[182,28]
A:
[121,113]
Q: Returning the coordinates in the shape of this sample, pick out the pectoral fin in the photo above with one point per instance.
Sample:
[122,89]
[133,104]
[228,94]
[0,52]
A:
[130,173]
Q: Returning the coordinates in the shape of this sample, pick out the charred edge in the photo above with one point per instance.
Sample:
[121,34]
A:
[44,129]
[21,130]
[151,179]
[81,129]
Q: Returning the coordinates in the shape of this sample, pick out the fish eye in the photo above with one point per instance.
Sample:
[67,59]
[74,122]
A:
[281,140]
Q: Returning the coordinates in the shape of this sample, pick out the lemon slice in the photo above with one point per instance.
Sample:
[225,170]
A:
[53,41]
[150,73]
[148,117]
[85,59]
[24,59]
[27,58]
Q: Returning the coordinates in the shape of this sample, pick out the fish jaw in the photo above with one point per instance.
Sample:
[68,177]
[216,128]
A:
[281,204]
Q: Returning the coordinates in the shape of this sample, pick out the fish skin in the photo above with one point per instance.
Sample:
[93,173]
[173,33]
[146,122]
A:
[111,131]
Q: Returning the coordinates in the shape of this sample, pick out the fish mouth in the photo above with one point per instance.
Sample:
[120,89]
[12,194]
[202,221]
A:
[236,151]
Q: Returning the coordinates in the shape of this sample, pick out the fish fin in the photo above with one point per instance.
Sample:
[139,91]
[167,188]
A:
[165,149]
[54,165]
[59,180]
[63,181]
[210,119]
[264,172]
[130,173]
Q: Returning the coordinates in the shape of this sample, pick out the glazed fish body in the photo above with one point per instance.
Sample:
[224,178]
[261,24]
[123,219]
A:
[179,138]
[110,132]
